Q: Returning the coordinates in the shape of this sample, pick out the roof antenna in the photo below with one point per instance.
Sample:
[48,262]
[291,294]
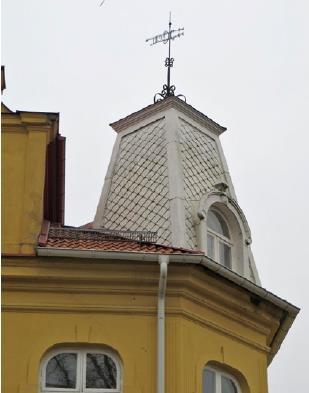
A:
[102,2]
[167,37]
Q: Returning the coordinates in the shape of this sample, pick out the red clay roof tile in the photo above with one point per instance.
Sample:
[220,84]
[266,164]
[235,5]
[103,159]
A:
[83,239]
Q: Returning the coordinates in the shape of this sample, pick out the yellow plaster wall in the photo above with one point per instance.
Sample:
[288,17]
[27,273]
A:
[52,301]
[200,346]
[133,338]
[23,175]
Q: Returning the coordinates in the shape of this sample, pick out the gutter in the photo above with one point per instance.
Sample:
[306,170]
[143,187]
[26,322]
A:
[163,261]
[198,259]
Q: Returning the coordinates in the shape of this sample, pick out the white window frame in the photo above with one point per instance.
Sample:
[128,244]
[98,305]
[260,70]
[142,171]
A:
[218,379]
[219,238]
[80,371]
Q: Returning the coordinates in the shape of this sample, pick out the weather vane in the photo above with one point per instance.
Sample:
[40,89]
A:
[167,37]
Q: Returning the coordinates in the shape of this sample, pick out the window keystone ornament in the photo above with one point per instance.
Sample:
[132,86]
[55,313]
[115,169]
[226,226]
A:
[221,186]
[248,241]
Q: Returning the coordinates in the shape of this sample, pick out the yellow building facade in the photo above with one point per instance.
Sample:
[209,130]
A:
[93,310]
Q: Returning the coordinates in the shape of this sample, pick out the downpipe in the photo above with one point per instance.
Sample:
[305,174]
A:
[163,262]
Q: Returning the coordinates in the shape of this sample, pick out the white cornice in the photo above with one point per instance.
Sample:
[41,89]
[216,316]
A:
[170,102]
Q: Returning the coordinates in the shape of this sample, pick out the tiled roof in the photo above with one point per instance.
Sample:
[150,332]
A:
[83,239]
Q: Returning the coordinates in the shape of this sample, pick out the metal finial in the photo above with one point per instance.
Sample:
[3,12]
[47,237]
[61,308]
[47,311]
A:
[167,37]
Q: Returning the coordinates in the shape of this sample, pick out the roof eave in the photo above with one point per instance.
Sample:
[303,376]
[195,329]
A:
[167,103]
[289,311]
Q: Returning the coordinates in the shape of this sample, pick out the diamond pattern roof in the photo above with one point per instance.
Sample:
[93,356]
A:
[138,197]
[202,169]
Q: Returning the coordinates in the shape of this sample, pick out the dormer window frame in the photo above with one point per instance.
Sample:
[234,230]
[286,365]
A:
[239,231]
[219,239]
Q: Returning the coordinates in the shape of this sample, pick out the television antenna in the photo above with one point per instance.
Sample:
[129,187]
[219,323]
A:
[167,37]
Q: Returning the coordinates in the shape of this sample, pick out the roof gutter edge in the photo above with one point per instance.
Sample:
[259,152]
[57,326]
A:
[175,258]
[115,255]
[290,311]
[250,286]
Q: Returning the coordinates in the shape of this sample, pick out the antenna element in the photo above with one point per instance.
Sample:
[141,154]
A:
[167,37]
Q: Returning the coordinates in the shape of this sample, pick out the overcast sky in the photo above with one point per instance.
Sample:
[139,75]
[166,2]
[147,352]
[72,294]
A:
[243,63]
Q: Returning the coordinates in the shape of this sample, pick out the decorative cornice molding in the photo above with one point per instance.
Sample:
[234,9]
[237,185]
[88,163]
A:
[29,118]
[191,288]
[273,306]
[167,103]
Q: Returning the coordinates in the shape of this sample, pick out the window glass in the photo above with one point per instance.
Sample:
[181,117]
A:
[61,371]
[227,385]
[101,372]
[217,224]
[215,381]
[209,381]
[210,246]
[80,370]
[225,254]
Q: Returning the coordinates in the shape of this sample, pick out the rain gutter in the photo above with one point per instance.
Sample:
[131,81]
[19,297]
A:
[163,261]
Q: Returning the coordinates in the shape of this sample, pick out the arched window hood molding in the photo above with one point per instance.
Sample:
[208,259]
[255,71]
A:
[213,197]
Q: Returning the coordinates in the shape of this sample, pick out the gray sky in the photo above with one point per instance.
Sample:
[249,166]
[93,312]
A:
[243,63]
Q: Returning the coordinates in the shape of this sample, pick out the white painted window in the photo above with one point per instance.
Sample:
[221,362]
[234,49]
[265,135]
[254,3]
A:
[216,381]
[80,370]
[218,238]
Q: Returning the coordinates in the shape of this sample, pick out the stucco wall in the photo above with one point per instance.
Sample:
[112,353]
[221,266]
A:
[47,303]
[24,139]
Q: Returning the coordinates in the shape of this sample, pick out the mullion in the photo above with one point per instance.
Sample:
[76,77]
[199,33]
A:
[218,383]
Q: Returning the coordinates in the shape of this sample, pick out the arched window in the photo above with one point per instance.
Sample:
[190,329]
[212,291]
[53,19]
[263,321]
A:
[218,238]
[216,381]
[80,370]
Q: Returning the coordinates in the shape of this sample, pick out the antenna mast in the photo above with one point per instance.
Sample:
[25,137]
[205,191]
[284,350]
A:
[167,37]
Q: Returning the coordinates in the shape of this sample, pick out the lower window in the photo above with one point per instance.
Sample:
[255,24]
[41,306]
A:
[80,371]
[215,381]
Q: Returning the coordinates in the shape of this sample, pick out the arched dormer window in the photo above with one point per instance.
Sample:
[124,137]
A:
[218,238]
[80,370]
[216,381]
[224,235]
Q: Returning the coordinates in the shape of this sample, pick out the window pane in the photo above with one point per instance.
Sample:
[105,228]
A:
[227,386]
[101,372]
[210,246]
[61,371]
[217,224]
[209,381]
[225,254]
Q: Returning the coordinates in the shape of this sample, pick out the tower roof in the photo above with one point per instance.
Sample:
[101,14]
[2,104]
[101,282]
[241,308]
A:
[167,103]
[166,170]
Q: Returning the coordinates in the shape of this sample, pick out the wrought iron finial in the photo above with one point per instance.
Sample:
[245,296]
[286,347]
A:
[167,37]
